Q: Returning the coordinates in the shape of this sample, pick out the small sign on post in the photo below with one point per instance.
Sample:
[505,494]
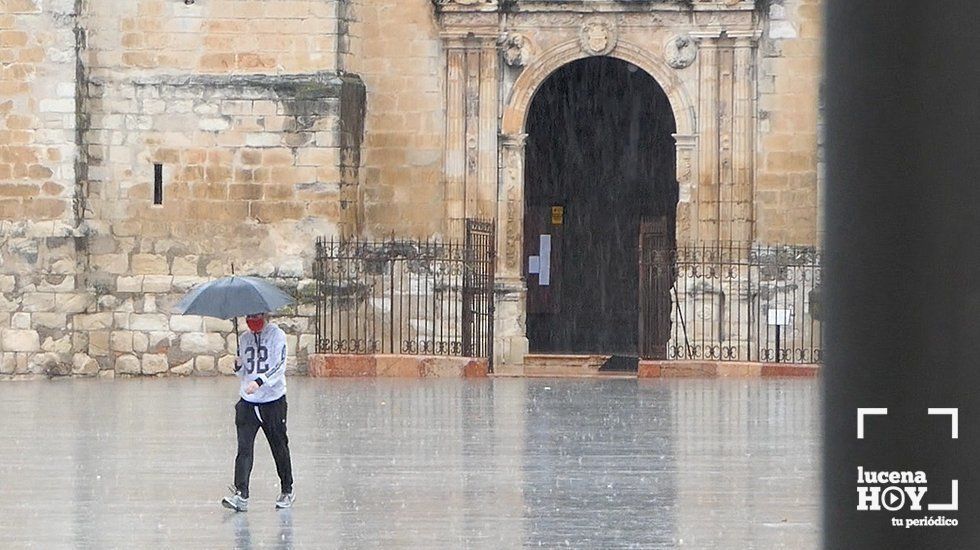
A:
[779,317]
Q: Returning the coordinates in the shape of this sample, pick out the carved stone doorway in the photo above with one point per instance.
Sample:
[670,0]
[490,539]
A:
[600,161]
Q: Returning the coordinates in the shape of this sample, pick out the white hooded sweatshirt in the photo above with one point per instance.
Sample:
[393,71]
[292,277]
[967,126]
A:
[262,358]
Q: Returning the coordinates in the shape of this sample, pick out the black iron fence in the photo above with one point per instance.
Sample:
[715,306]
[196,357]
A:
[732,302]
[419,297]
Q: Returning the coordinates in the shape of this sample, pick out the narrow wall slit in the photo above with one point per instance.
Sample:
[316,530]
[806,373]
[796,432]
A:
[157,184]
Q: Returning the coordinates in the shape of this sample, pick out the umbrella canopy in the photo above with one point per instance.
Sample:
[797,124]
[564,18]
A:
[232,297]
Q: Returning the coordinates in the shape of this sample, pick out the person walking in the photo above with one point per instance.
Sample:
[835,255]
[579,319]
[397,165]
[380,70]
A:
[261,366]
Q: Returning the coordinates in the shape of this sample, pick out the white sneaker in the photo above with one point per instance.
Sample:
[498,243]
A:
[235,501]
[285,500]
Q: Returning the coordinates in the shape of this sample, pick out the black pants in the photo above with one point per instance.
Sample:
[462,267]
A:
[271,417]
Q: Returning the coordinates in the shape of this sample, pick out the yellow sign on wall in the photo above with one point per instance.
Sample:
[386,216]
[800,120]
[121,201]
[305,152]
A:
[557,215]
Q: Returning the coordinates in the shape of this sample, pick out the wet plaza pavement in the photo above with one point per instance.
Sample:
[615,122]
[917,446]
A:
[382,463]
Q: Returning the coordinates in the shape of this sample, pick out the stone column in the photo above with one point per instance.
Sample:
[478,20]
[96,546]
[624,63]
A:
[726,138]
[687,171]
[510,334]
[455,135]
[510,206]
[472,139]
[708,196]
[743,147]
[489,83]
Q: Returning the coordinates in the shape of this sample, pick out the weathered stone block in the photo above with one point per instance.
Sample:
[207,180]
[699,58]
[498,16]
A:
[202,343]
[149,322]
[148,264]
[205,364]
[186,323]
[98,343]
[55,321]
[157,283]
[74,303]
[117,264]
[154,364]
[226,364]
[7,283]
[441,367]
[61,346]
[23,363]
[212,324]
[121,341]
[84,365]
[129,284]
[342,365]
[160,342]
[8,363]
[127,364]
[476,368]
[307,343]
[38,301]
[140,342]
[92,321]
[184,369]
[398,366]
[20,320]
[49,364]
[184,283]
[126,228]
[57,283]
[20,340]
[186,266]
[79,341]
[121,318]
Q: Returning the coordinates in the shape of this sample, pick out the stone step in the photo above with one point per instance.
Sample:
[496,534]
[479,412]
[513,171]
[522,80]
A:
[562,364]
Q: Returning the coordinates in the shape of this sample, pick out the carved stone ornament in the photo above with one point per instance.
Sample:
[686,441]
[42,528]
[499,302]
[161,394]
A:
[517,49]
[680,51]
[598,38]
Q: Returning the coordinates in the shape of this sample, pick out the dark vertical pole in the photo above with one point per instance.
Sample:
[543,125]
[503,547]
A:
[903,263]
[750,301]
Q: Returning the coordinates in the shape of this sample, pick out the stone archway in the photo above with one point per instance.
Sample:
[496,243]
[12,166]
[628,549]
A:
[530,80]
[599,166]
[511,342]
[497,57]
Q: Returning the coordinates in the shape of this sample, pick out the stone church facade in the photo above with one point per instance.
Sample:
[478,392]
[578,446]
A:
[149,145]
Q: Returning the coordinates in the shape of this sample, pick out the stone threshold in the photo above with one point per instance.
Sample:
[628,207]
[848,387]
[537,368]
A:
[724,369]
[395,366]
[555,364]
[512,372]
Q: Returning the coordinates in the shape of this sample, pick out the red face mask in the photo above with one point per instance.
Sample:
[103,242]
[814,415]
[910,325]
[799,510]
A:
[255,324]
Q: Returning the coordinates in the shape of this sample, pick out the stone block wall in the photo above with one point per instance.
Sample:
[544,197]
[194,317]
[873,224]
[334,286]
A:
[37,111]
[787,173]
[258,141]
[398,53]
[210,36]
[266,139]
[39,242]
[240,104]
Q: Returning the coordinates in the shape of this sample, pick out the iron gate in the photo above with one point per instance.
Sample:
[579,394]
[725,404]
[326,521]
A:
[420,297]
[733,302]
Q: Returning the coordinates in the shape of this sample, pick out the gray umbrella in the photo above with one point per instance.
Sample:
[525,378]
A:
[232,297]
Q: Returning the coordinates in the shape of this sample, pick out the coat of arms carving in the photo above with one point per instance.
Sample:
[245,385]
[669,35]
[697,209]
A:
[598,38]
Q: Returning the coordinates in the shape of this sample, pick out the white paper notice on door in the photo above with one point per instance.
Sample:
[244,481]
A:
[534,264]
[544,267]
